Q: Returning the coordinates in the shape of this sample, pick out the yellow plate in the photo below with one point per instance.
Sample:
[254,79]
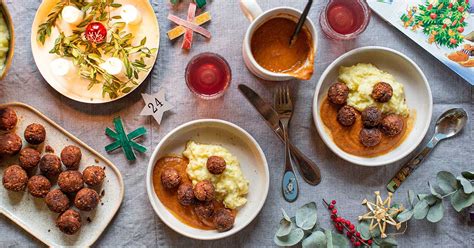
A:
[75,87]
[11,50]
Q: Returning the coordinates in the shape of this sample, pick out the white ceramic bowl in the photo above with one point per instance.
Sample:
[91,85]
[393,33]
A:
[239,143]
[417,92]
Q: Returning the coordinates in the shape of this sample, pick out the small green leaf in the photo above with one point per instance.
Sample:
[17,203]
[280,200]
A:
[411,198]
[363,229]
[466,185]
[435,213]
[421,196]
[385,243]
[421,210]
[431,199]
[468,175]
[306,216]
[433,191]
[315,240]
[285,215]
[285,228]
[460,200]
[405,215]
[447,182]
[339,241]
[328,234]
[291,239]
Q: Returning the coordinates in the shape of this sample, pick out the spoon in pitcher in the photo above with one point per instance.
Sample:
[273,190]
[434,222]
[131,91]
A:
[301,22]
[448,125]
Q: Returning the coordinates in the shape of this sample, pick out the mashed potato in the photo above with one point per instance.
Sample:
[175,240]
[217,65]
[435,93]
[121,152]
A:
[4,41]
[231,186]
[361,79]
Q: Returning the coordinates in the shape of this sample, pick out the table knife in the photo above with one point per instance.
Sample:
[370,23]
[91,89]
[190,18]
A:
[307,168]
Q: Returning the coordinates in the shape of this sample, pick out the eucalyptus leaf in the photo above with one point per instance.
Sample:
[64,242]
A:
[422,196]
[411,198]
[285,228]
[468,175]
[405,215]
[285,215]
[421,210]
[328,234]
[293,238]
[306,216]
[460,200]
[435,213]
[431,199]
[339,241]
[386,242]
[466,185]
[315,240]
[433,191]
[447,182]
[363,229]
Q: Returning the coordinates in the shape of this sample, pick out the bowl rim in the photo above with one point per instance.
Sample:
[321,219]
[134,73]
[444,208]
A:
[152,196]
[325,136]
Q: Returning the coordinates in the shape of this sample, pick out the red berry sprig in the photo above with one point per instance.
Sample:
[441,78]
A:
[342,224]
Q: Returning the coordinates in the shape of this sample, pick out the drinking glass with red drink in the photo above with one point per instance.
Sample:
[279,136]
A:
[344,19]
[208,75]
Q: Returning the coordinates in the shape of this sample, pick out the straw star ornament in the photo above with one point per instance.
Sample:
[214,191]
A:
[381,213]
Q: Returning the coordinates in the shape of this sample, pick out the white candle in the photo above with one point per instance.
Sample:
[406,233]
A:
[130,14]
[72,15]
[61,67]
[113,66]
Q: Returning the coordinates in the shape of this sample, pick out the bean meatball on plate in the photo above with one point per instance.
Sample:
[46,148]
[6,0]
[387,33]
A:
[372,106]
[31,196]
[188,190]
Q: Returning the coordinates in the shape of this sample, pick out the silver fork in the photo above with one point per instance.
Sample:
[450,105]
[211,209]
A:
[284,107]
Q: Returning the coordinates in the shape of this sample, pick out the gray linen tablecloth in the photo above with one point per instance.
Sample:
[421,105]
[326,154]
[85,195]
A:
[137,225]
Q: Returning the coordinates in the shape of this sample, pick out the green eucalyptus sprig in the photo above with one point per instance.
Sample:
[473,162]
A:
[459,189]
[304,228]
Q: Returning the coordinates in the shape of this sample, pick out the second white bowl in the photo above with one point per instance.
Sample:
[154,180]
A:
[417,93]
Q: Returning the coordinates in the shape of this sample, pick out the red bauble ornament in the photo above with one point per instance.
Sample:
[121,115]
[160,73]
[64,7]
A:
[96,32]
[433,16]
[460,29]
[453,41]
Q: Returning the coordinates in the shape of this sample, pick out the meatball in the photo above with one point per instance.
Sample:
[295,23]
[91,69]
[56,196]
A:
[39,186]
[170,178]
[71,157]
[93,175]
[371,116]
[204,191]
[15,178]
[69,222]
[382,92]
[204,210]
[338,93]
[10,144]
[8,119]
[224,220]
[57,201]
[216,165]
[186,194]
[346,116]
[50,165]
[35,134]
[392,124]
[29,158]
[70,181]
[370,137]
[86,199]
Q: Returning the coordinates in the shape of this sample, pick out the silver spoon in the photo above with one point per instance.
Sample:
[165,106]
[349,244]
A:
[449,124]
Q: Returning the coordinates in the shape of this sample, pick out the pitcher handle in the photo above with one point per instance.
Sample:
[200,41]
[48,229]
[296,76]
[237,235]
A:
[251,9]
